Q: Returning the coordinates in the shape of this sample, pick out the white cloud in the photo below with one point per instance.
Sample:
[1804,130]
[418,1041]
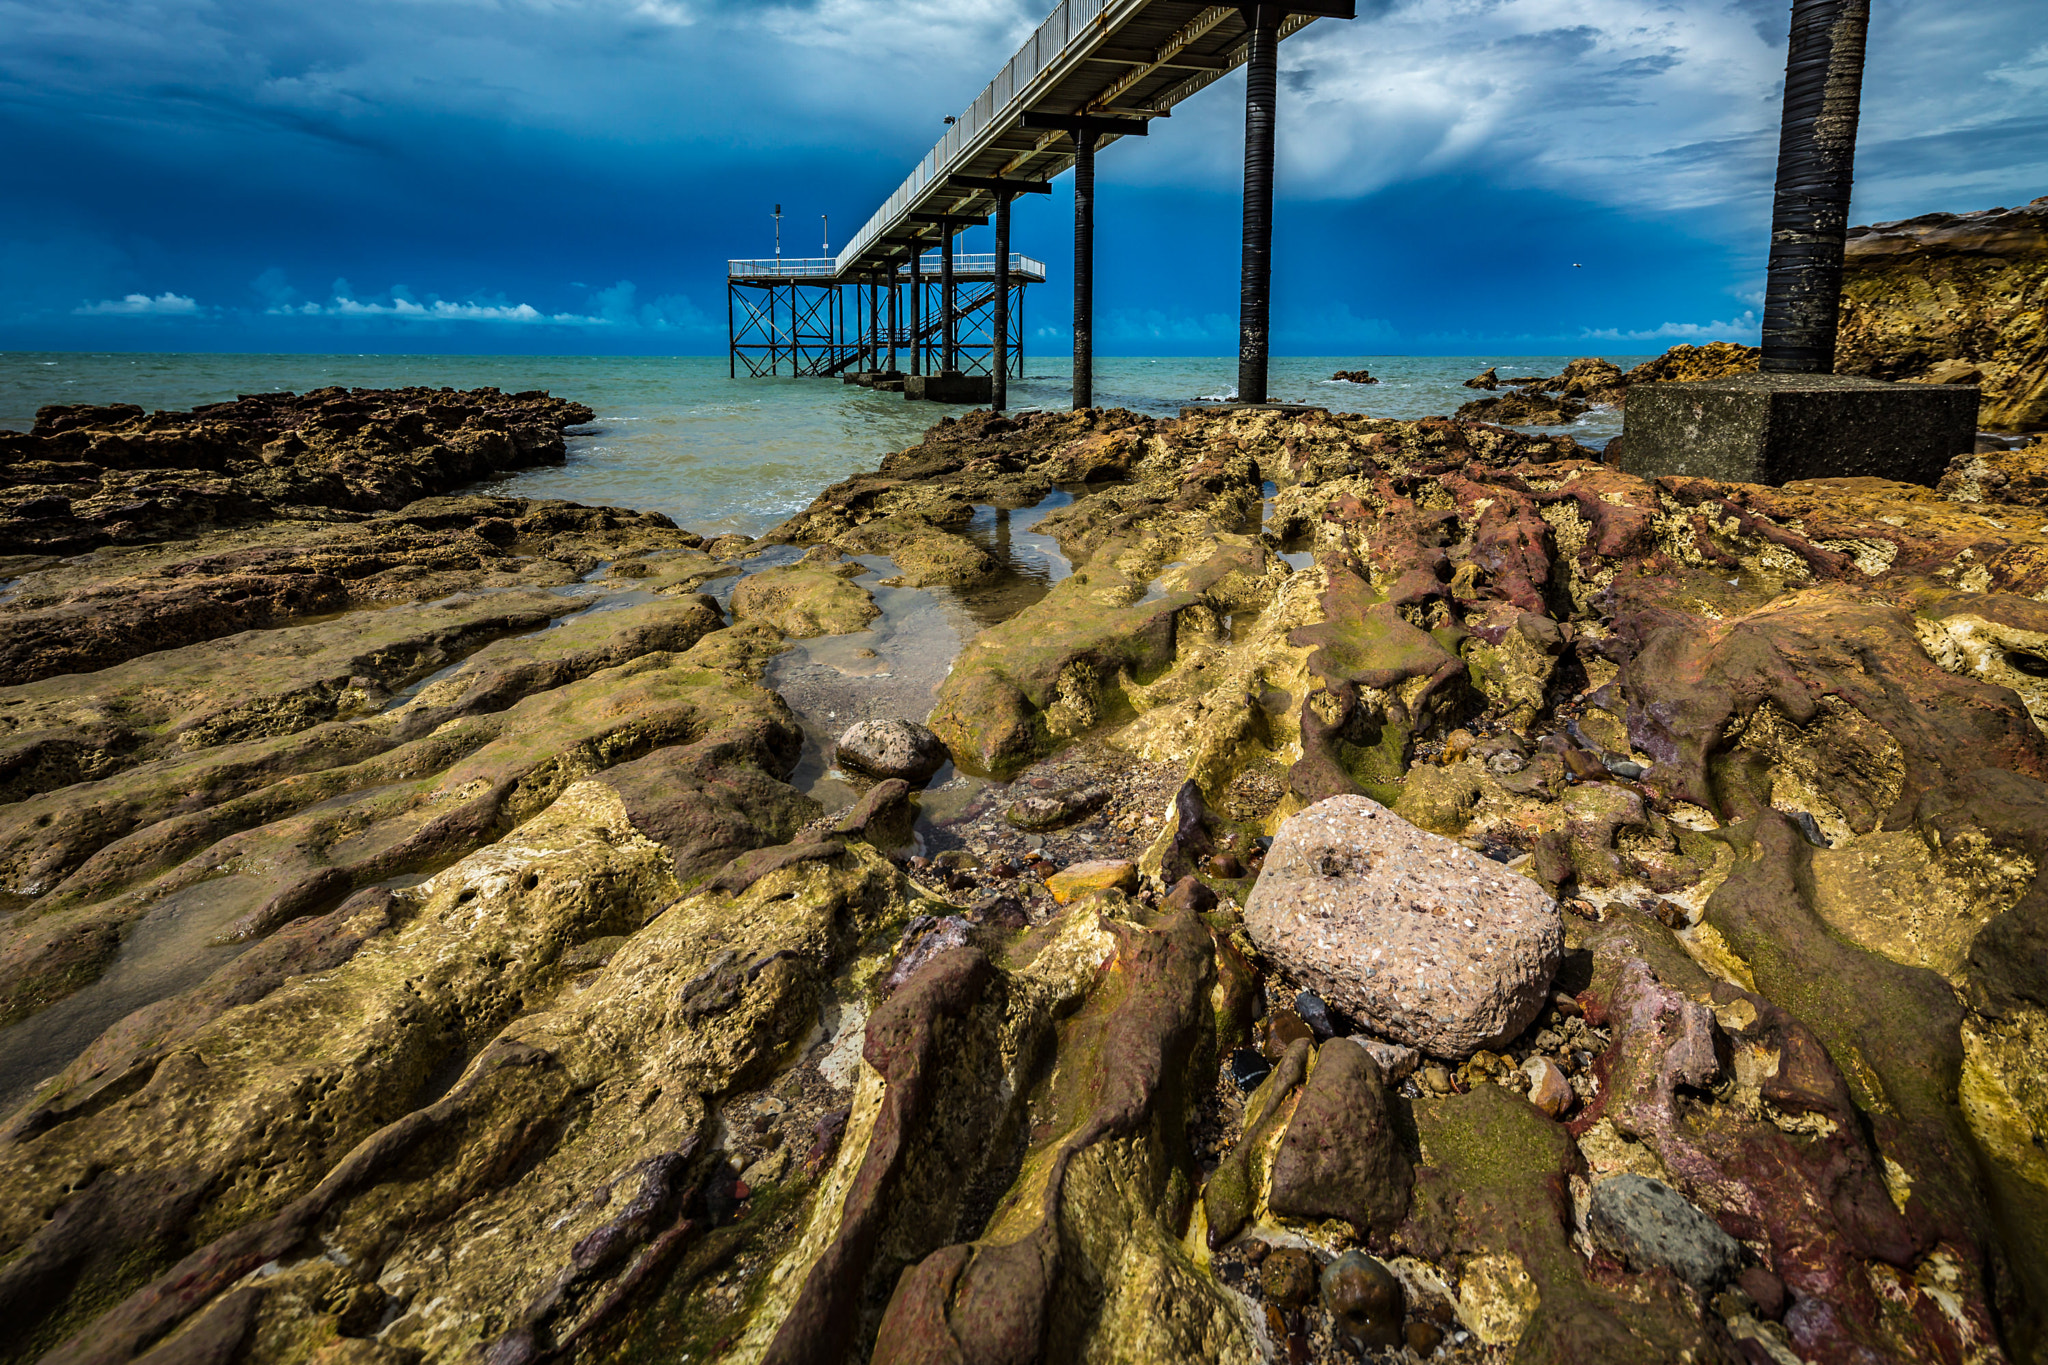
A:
[433,310]
[1745,328]
[163,305]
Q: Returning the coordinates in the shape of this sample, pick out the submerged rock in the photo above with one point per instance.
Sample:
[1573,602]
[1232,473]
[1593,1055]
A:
[1428,942]
[893,748]
[1041,811]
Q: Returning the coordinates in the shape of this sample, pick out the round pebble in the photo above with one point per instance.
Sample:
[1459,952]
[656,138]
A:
[1288,1277]
[1365,1300]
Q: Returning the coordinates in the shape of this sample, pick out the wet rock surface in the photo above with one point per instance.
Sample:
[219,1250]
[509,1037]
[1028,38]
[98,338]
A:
[893,748]
[476,957]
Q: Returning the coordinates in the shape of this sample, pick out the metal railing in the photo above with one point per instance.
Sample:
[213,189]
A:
[1022,268]
[972,263]
[791,267]
[1069,20]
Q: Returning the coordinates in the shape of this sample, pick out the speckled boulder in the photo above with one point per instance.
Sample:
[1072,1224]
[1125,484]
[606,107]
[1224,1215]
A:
[1426,941]
[893,748]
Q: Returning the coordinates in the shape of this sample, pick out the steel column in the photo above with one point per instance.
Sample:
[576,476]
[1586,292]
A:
[949,351]
[895,314]
[1255,295]
[916,308]
[999,365]
[874,325]
[1816,170]
[1084,270]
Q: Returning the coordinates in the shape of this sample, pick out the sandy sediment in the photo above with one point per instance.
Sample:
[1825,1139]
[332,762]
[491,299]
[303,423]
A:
[434,931]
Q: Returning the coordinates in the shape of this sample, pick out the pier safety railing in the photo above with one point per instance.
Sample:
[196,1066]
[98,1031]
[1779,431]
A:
[1065,38]
[966,264]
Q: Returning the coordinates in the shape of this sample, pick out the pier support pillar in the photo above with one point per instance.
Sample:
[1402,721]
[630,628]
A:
[1256,287]
[1816,169]
[1084,270]
[895,313]
[949,359]
[999,358]
[916,309]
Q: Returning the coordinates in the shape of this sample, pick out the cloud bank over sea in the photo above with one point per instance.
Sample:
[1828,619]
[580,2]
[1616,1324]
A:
[1459,168]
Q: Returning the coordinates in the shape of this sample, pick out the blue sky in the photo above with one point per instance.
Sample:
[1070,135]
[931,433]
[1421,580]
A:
[568,176]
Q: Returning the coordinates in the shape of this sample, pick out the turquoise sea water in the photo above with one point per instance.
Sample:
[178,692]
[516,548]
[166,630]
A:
[677,435]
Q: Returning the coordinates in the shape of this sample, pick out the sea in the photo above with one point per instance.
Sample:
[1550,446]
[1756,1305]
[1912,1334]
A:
[680,435]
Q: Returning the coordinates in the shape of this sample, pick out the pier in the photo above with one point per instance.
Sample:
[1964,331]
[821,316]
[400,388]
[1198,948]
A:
[796,316]
[1094,72]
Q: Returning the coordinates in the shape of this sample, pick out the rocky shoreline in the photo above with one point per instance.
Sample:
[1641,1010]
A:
[441,928]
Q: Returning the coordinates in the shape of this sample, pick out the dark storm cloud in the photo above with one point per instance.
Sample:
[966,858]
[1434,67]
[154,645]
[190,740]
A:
[463,162]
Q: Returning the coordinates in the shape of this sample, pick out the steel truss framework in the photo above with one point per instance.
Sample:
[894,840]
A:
[817,328]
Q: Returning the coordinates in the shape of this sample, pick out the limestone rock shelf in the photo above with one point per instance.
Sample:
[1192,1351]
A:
[421,944]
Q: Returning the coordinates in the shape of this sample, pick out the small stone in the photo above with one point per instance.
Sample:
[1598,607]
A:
[1435,1080]
[1248,1068]
[1315,1014]
[1647,1224]
[1190,897]
[1418,937]
[1732,1303]
[1226,866]
[1046,812]
[1255,1251]
[1365,1301]
[1288,1276]
[1506,763]
[1765,1290]
[1583,766]
[1423,1337]
[1397,1063]
[1549,1088]
[1283,1029]
[1102,874]
[883,817]
[893,748]
[767,1170]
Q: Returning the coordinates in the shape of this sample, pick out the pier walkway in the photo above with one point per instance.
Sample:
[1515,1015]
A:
[1093,72]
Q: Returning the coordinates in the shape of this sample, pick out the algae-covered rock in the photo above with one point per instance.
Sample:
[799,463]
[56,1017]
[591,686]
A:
[1102,874]
[803,600]
[1340,1156]
[556,1024]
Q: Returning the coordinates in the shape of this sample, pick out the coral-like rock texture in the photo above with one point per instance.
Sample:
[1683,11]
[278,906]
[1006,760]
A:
[423,941]
[1954,298]
[1415,935]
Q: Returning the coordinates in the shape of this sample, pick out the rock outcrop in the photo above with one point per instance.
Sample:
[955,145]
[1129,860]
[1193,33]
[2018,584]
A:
[1954,298]
[1591,382]
[429,965]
